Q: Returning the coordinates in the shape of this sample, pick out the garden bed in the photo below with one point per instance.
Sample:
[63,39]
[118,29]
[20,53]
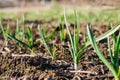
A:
[17,62]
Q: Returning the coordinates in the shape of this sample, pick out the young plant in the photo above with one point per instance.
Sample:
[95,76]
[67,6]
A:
[114,55]
[114,67]
[75,51]
[50,51]
[62,32]
[19,33]
[29,39]
[5,32]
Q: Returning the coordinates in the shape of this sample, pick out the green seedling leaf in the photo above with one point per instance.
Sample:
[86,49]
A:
[49,37]
[80,52]
[62,32]
[99,53]
[69,32]
[106,34]
[116,53]
[1,33]
[30,37]
[76,34]
[54,52]
[42,34]
[5,32]
[17,29]
[19,38]
[19,34]
[110,51]
[114,38]
[74,39]
[13,37]
[119,73]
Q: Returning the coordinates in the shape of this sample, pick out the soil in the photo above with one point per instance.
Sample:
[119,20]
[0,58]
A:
[40,66]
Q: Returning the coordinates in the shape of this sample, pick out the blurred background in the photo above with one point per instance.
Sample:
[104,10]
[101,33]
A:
[28,3]
[51,10]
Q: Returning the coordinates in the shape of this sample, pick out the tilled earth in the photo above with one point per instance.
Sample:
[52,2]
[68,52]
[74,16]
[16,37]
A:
[40,66]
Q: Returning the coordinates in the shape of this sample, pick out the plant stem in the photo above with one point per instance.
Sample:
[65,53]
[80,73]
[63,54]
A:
[116,78]
[75,63]
[75,66]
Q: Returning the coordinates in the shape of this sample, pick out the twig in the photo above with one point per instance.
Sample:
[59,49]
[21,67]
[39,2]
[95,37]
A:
[30,55]
[87,62]
[26,55]
[79,71]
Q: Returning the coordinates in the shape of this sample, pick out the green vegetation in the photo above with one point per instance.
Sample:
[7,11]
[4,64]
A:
[51,35]
[75,51]
[5,32]
[23,35]
[24,39]
[51,51]
[106,34]
[19,33]
[62,30]
[53,14]
[114,68]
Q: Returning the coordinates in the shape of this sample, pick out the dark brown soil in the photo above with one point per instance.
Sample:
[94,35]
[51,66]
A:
[42,67]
